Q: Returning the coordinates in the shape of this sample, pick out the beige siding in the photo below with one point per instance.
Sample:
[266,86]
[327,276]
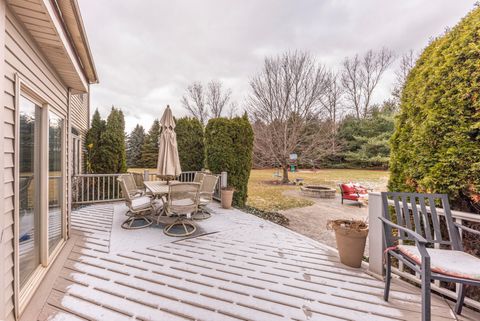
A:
[22,57]
[79,113]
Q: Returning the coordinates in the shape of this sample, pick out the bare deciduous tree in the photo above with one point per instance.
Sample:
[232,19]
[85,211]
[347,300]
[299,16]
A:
[331,102]
[285,99]
[195,102]
[360,77]
[407,62]
[204,103]
[217,98]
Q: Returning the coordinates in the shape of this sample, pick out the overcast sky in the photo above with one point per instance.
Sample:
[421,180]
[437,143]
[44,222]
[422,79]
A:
[148,51]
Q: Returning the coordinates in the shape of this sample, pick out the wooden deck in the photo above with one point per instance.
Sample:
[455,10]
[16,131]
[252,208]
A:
[247,269]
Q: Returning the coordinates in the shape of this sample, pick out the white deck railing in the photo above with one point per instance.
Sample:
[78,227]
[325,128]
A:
[377,247]
[97,188]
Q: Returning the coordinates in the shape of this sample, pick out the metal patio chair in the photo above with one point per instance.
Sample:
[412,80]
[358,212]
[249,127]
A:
[416,218]
[198,178]
[207,189]
[138,205]
[182,202]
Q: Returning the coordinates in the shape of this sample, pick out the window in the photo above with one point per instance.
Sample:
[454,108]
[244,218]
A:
[76,155]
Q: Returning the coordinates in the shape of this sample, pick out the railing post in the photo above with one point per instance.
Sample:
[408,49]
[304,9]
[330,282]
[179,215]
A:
[145,175]
[223,179]
[375,238]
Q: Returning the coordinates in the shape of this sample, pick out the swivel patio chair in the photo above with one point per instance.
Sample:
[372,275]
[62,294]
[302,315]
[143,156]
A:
[207,189]
[182,202]
[133,189]
[415,218]
[198,178]
[138,179]
[138,205]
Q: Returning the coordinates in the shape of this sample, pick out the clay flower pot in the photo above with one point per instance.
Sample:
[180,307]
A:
[351,236]
[227,197]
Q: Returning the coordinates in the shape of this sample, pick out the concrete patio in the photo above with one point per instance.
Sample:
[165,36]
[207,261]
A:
[236,267]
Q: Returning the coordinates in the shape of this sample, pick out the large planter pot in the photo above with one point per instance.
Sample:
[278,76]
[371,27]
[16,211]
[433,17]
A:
[350,241]
[227,197]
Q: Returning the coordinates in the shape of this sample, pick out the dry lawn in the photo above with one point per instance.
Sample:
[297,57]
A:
[265,196]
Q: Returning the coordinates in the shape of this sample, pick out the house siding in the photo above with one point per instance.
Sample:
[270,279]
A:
[23,58]
[79,113]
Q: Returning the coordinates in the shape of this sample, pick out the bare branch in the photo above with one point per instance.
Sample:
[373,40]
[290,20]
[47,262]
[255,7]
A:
[194,102]
[407,62]
[217,98]
[360,77]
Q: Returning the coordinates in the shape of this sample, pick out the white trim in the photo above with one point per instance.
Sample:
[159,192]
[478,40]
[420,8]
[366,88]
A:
[22,296]
[51,12]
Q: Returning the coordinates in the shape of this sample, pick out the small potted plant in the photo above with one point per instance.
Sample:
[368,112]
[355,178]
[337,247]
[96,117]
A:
[227,196]
[351,236]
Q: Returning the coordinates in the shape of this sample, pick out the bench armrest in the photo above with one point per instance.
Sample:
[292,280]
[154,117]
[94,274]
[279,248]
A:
[467,229]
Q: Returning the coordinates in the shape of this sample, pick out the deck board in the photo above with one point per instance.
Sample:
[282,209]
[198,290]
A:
[252,270]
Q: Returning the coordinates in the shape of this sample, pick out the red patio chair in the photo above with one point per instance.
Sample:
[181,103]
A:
[353,192]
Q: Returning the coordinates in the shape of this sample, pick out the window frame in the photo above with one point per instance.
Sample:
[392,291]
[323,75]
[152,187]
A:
[22,295]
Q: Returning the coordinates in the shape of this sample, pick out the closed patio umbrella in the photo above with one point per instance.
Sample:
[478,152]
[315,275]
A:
[168,166]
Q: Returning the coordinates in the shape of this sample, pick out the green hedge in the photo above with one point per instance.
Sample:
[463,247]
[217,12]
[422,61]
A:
[191,147]
[436,144]
[229,146]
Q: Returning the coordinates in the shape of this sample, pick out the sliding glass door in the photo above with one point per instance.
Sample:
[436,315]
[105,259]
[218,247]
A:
[55,180]
[29,220]
[41,186]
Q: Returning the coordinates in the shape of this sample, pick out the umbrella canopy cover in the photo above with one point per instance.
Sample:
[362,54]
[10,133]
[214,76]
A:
[168,161]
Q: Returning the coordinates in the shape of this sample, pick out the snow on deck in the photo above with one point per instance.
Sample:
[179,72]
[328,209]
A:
[237,267]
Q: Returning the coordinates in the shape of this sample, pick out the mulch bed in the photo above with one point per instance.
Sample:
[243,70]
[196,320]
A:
[274,217]
[278,183]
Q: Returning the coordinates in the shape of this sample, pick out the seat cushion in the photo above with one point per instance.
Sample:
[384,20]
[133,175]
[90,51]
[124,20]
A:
[183,202]
[453,263]
[141,203]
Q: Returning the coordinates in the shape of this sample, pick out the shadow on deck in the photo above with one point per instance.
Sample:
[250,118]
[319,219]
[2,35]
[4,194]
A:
[237,267]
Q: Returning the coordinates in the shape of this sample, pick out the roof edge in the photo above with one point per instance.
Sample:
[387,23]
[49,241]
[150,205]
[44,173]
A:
[70,13]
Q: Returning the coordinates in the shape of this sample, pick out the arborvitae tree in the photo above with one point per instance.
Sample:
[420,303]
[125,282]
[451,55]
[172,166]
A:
[229,147]
[113,143]
[436,144]
[150,146]
[93,141]
[134,147]
[191,147]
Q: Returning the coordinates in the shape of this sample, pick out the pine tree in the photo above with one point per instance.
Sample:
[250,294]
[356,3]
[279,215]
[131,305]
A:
[150,146]
[112,140]
[134,147]
[93,143]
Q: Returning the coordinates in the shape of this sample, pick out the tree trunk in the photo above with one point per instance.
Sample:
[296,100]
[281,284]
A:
[285,179]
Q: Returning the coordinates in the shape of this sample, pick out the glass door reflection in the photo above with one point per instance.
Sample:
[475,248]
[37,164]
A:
[29,209]
[55,180]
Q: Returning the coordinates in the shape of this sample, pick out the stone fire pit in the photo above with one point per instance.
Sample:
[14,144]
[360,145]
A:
[318,191]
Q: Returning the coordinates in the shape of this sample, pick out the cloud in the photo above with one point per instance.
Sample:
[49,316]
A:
[148,51]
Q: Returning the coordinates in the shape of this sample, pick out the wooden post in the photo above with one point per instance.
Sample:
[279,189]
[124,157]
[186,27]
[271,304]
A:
[375,238]
[145,175]
[223,179]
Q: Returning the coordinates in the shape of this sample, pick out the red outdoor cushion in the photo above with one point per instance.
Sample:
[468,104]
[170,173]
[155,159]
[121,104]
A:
[348,189]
